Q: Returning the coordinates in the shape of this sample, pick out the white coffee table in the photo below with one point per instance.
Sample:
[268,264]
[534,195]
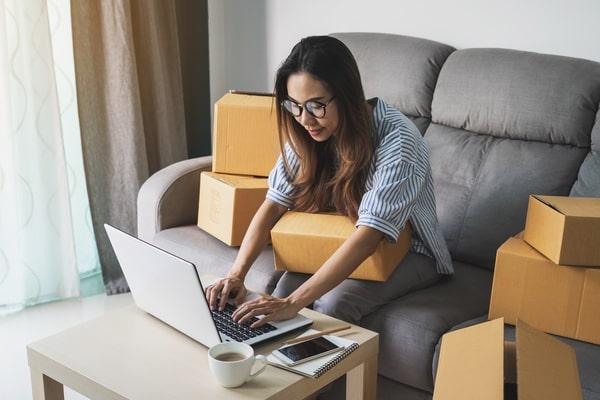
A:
[128,354]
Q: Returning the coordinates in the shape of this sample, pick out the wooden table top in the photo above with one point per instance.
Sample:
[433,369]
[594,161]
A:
[129,354]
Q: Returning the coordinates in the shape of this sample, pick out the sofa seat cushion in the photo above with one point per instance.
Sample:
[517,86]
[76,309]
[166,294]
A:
[211,256]
[411,326]
[588,358]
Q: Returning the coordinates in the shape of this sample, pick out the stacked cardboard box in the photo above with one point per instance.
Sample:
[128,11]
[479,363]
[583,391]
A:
[246,139]
[228,203]
[565,229]
[245,149]
[550,277]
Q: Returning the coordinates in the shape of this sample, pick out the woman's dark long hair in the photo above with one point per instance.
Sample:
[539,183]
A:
[322,183]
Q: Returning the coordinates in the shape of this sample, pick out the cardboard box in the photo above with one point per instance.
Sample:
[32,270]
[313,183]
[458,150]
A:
[302,242]
[558,299]
[228,203]
[565,229]
[476,364]
[246,140]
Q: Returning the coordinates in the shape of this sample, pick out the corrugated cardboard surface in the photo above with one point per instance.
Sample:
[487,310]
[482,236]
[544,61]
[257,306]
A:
[565,229]
[546,367]
[228,203]
[471,365]
[574,206]
[245,138]
[302,242]
[557,299]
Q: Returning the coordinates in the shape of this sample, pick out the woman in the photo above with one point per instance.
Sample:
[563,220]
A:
[359,158]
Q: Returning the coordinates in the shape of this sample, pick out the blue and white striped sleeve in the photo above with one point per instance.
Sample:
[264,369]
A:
[397,183]
[281,188]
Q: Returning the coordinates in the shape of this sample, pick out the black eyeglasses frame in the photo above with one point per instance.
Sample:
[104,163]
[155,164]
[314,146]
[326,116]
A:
[308,109]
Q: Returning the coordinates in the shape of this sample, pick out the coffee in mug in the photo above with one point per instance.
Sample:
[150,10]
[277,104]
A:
[231,363]
[228,357]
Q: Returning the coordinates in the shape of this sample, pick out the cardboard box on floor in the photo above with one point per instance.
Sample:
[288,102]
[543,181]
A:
[245,140]
[565,229]
[558,299]
[302,242]
[228,203]
[476,364]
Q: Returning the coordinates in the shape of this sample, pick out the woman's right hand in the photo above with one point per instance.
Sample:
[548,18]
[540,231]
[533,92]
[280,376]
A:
[224,289]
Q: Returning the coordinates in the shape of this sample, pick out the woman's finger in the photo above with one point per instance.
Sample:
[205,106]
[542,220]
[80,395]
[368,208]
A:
[242,310]
[253,313]
[209,291]
[266,319]
[239,296]
[224,295]
[213,294]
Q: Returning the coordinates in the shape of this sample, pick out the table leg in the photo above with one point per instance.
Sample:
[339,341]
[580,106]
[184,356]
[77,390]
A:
[361,382]
[45,388]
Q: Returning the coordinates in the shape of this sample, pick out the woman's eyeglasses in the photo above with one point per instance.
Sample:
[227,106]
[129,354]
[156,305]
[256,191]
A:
[314,108]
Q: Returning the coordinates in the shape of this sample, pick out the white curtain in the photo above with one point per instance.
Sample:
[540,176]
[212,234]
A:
[46,242]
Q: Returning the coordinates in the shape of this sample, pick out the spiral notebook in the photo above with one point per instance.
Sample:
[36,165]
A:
[318,366]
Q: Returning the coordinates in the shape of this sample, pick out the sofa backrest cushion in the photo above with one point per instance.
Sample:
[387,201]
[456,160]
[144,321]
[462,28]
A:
[588,180]
[505,124]
[401,70]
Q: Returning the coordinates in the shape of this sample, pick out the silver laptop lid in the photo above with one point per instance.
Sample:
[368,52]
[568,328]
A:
[165,286]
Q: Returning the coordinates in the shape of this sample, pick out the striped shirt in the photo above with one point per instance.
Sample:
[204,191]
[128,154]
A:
[399,186]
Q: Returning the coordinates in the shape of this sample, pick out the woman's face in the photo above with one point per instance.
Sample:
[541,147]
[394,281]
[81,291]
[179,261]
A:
[302,87]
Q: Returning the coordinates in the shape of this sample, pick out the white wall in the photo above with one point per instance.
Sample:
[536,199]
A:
[249,38]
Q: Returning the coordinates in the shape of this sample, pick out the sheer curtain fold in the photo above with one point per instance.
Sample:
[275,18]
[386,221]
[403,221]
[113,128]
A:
[38,255]
[131,111]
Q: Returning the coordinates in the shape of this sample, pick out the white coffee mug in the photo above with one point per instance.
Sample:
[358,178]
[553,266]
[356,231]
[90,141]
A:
[231,363]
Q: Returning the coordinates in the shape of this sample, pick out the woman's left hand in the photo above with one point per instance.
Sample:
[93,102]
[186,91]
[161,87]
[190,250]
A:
[273,309]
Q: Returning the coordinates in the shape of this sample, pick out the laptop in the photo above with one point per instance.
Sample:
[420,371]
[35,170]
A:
[170,289]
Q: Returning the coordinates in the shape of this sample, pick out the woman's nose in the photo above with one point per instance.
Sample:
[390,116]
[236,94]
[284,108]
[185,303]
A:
[306,119]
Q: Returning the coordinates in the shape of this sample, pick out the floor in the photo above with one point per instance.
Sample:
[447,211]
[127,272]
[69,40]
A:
[35,323]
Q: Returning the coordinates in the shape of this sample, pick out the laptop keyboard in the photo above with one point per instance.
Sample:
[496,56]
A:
[225,324]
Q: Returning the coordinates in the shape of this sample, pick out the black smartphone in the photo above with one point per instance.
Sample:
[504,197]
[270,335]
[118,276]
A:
[304,351]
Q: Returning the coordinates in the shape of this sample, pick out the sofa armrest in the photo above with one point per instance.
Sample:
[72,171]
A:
[169,198]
